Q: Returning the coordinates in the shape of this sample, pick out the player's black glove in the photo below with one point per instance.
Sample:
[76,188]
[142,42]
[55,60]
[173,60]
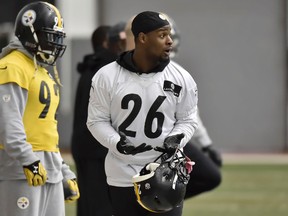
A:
[127,148]
[35,173]
[171,143]
[214,155]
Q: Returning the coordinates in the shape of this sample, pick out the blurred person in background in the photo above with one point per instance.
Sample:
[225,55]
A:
[88,153]
[206,173]
[32,171]
[117,38]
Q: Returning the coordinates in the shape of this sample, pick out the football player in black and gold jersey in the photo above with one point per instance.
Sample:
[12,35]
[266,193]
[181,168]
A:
[32,171]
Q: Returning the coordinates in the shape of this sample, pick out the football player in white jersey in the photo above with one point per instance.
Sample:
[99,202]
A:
[32,171]
[206,175]
[140,102]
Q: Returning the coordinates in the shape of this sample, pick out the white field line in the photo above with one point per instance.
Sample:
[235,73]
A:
[249,158]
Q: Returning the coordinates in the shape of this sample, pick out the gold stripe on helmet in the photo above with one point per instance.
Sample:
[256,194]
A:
[60,24]
[136,188]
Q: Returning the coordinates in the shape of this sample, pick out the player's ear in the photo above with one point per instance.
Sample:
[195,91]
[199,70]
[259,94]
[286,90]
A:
[142,37]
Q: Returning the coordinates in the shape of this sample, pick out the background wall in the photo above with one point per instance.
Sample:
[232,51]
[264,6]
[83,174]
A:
[235,50]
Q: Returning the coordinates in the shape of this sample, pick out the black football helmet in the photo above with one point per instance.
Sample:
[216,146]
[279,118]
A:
[39,26]
[159,187]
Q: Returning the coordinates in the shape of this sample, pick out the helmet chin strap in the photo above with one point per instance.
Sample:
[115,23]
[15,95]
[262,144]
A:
[56,74]
[174,182]
[44,53]
[35,65]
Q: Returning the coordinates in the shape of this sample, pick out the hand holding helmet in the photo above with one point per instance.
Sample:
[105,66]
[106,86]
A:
[171,143]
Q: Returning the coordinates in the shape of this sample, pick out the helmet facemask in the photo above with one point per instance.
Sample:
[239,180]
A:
[50,46]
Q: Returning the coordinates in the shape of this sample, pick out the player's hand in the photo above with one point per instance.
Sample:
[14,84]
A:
[127,148]
[171,143]
[71,190]
[35,173]
[214,155]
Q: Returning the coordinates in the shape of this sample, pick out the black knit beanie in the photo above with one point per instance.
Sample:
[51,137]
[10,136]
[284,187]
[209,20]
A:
[148,21]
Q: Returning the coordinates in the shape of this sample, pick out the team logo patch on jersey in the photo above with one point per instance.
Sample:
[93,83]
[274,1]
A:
[23,202]
[169,86]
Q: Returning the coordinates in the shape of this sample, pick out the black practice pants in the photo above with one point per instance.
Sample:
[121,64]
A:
[124,203]
[94,192]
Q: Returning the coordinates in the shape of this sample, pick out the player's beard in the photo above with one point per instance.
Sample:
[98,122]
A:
[164,58]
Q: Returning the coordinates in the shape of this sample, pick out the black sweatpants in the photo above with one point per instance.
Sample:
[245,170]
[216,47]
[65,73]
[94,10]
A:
[94,192]
[124,203]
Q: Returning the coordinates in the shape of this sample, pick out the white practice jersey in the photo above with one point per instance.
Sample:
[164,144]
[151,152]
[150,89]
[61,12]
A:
[146,107]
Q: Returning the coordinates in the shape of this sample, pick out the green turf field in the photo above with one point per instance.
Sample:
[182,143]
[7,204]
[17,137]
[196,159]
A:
[246,190]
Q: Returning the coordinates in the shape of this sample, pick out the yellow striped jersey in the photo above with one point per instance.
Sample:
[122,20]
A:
[39,117]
